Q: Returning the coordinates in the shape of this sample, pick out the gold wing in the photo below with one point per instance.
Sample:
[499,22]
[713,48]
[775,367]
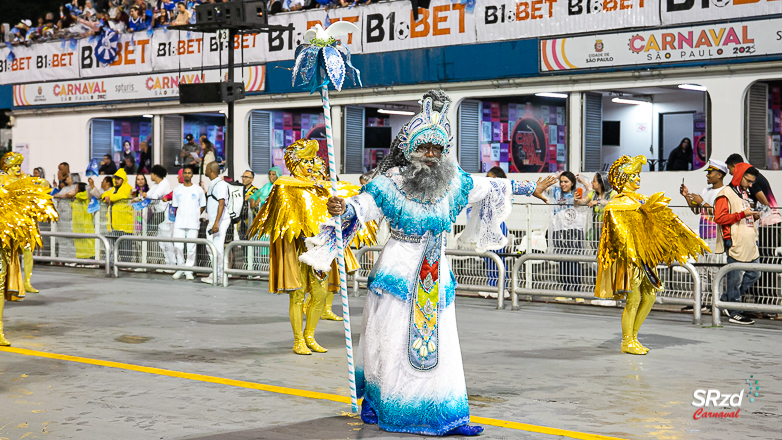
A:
[297,208]
[648,233]
[23,203]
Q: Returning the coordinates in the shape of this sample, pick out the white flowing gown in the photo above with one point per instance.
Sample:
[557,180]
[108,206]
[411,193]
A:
[409,362]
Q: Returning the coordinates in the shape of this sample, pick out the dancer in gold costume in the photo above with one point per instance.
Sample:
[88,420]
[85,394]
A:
[24,201]
[639,233]
[11,165]
[294,211]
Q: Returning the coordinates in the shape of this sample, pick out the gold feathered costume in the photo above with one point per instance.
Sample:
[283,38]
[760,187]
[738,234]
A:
[24,201]
[295,209]
[639,233]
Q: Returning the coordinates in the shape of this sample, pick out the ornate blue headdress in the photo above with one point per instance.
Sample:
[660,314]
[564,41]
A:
[429,126]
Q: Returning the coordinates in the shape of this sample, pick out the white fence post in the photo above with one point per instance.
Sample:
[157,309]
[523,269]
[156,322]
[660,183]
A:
[144,227]
[528,232]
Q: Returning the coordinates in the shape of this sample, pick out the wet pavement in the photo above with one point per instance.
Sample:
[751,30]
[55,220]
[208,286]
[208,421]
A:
[548,365]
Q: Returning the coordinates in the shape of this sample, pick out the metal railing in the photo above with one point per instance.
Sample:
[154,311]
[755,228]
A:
[144,265]
[568,231]
[533,288]
[78,236]
[360,253]
[717,304]
[227,269]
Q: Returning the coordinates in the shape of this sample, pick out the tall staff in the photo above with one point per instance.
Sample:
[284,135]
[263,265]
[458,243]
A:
[321,60]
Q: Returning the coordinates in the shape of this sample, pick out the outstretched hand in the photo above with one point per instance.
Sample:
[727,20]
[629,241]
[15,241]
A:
[335,206]
[542,185]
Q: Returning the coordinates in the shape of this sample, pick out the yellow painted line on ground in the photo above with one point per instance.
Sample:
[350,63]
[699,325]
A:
[288,391]
[539,429]
[181,375]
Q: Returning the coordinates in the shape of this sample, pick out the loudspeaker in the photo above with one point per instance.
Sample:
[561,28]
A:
[232,13]
[199,93]
[210,92]
[231,91]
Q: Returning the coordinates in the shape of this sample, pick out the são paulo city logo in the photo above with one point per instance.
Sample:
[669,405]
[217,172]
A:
[712,404]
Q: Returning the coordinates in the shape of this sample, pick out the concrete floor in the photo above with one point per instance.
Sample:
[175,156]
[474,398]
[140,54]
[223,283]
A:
[551,365]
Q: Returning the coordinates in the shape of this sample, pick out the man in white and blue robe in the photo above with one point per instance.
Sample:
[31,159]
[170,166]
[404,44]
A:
[409,362]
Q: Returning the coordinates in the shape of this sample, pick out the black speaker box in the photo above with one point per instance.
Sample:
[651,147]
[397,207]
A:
[232,13]
[205,93]
[231,91]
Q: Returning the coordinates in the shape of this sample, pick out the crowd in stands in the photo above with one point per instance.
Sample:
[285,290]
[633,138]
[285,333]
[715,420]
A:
[86,18]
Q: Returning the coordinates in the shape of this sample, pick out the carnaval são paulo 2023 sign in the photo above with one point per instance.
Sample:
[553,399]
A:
[684,44]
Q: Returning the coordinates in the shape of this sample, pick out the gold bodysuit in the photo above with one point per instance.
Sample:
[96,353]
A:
[639,233]
[24,201]
[295,209]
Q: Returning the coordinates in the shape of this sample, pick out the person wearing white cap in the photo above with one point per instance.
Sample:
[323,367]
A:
[18,34]
[704,205]
[715,173]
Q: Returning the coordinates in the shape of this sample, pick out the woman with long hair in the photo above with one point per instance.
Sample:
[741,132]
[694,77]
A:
[40,173]
[597,199]
[208,154]
[142,186]
[568,235]
[680,158]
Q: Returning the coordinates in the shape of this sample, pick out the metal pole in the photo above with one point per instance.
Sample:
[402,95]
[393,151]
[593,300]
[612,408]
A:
[343,287]
[697,295]
[229,135]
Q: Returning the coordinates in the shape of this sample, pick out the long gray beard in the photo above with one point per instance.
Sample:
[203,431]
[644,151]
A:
[425,183]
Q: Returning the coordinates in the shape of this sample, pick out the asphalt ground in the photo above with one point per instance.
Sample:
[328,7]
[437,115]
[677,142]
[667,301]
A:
[147,357]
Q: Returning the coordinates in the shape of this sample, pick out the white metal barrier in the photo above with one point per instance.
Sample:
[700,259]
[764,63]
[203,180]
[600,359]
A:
[78,236]
[227,269]
[572,231]
[589,291]
[717,304]
[145,265]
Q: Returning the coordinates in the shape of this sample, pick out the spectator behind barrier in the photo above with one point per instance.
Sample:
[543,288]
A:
[568,236]
[107,166]
[144,158]
[129,165]
[249,189]
[738,222]
[189,201]
[680,158]
[71,187]
[97,192]
[83,222]
[217,196]
[81,23]
[121,216]
[63,171]
[259,197]
[190,147]
[39,172]
[704,204]
[769,225]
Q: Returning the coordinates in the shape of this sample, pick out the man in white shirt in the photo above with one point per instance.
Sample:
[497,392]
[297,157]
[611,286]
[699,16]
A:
[219,221]
[715,173]
[161,188]
[704,205]
[189,201]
